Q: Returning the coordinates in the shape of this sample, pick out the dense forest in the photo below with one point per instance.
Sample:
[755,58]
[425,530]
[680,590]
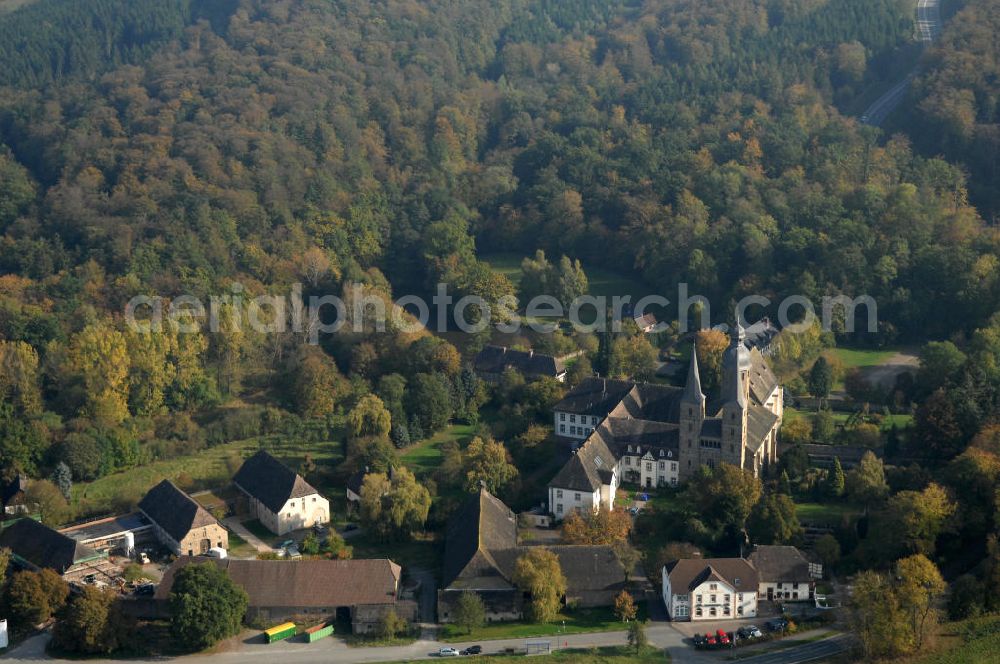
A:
[254,145]
[955,109]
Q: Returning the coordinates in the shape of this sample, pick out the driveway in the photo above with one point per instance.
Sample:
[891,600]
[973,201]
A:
[234,525]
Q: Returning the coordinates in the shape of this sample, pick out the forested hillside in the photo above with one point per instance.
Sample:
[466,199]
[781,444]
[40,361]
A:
[956,109]
[165,149]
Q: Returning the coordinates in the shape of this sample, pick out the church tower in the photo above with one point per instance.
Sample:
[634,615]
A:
[692,416]
[735,398]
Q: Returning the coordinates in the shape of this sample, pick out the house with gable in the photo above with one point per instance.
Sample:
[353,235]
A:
[659,435]
[35,546]
[278,496]
[180,523]
[491,362]
[481,552]
[710,589]
[785,573]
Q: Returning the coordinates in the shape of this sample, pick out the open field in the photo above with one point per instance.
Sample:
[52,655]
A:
[10,5]
[816,513]
[568,622]
[602,281]
[208,468]
[899,419]
[424,457]
[967,642]
[852,358]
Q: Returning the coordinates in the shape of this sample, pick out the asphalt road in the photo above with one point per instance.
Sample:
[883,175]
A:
[333,651]
[928,29]
[809,652]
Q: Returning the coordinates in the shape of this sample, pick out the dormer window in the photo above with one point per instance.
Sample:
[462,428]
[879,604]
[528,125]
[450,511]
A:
[598,461]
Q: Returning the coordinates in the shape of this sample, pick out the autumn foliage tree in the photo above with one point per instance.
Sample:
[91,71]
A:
[625,609]
[604,526]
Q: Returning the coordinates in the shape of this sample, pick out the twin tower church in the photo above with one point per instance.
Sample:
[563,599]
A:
[659,435]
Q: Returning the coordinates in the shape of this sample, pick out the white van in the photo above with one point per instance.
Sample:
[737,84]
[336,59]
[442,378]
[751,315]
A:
[217,552]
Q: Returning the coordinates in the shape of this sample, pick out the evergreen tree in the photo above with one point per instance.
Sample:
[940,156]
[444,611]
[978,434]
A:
[62,476]
[835,480]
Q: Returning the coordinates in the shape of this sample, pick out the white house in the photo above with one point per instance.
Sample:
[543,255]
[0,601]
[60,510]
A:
[785,574]
[710,589]
[278,496]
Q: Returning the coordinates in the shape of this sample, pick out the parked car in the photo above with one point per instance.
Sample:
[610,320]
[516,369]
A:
[473,650]
[447,652]
[286,544]
[777,625]
[749,632]
[320,529]
[643,497]
[722,637]
[216,552]
[349,527]
[633,510]
[711,641]
[699,640]
[143,558]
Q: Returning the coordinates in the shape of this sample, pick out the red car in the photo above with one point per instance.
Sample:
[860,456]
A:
[710,641]
[722,637]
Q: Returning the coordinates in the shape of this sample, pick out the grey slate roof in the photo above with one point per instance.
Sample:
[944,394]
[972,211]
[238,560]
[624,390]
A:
[692,387]
[594,396]
[13,490]
[780,564]
[687,574]
[174,511]
[759,423]
[762,379]
[318,584]
[483,523]
[43,547]
[586,567]
[496,359]
[591,465]
[270,481]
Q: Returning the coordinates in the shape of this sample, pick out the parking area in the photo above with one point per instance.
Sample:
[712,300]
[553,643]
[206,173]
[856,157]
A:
[689,629]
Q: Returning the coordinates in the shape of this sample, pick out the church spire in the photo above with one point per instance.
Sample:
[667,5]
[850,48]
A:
[692,389]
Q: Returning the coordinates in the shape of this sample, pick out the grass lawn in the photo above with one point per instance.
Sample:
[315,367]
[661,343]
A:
[605,655]
[423,552]
[967,642]
[820,513]
[239,548]
[853,358]
[205,468]
[576,622]
[601,281]
[901,420]
[257,529]
[424,457]
[208,468]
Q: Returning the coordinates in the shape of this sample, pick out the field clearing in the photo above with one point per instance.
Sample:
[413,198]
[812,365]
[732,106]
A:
[602,281]
[968,642]
[423,458]
[852,358]
[899,419]
[207,469]
[829,513]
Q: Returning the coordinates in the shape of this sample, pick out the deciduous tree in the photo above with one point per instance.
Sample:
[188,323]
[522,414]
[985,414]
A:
[205,605]
[625,609]
[538,573]
[469,612]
